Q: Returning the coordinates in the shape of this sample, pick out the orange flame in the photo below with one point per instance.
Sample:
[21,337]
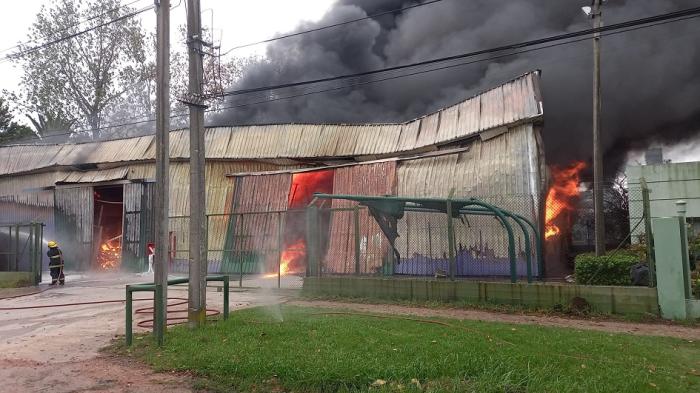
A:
[561,195]
[291,258]
[109,255]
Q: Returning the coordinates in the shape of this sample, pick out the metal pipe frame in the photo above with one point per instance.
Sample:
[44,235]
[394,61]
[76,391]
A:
[159,303]
[483,209]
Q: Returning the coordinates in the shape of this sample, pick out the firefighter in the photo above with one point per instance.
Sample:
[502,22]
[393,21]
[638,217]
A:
[56,263]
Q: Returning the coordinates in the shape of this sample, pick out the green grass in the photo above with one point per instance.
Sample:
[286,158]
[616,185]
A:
[564,311]
[309,350]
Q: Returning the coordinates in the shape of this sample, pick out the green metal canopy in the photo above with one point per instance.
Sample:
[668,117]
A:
[387,210]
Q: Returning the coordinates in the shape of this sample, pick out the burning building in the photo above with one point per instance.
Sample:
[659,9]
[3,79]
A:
[97,197]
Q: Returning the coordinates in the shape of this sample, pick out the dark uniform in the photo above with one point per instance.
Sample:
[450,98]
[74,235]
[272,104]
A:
[56,265]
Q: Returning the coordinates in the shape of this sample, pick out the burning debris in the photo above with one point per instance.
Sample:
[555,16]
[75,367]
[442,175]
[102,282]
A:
[562,195]
[109,254]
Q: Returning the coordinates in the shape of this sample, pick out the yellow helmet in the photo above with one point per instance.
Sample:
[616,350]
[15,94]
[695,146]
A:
[53,244]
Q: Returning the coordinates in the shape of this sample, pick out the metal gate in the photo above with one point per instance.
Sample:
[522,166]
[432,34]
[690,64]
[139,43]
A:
[139,224]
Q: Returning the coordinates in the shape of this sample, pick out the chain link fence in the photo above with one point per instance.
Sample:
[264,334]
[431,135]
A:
[21,249]
[357,245]
[272,248]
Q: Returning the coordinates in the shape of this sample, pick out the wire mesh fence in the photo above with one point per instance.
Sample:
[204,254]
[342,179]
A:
[21,249]
[480,243]
[261,249]
[274,247]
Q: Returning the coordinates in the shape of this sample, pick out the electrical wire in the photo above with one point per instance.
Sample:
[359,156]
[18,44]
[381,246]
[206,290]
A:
[514,46]
[79,23]
[79,33]
[373,16]
[609,32]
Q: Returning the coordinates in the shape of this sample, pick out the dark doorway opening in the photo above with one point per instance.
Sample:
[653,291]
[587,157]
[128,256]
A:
[108,227]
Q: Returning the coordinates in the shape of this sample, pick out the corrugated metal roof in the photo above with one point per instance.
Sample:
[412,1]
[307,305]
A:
[511,103]
[95,176]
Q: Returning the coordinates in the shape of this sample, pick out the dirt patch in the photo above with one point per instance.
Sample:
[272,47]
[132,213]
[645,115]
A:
[100,374]
[50,339]
[663,330]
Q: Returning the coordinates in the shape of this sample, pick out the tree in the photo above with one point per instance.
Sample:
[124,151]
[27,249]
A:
[79,80]
[10,130]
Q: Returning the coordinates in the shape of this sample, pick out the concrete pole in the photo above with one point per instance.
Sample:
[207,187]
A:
[198,223]
[598,177]
[162,155]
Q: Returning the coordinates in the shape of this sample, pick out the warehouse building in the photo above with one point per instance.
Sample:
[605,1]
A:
[97,197]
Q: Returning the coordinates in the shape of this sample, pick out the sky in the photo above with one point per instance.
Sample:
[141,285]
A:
[235,22]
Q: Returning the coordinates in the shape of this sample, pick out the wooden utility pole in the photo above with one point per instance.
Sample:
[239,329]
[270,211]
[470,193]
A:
[162,160]
[198,221]
[598,178]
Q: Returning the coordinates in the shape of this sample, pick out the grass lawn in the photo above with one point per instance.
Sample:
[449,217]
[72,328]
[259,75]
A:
[316,350]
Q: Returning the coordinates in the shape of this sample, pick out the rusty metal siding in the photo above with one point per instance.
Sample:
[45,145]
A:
[258,233]
[94,176]
[367,179]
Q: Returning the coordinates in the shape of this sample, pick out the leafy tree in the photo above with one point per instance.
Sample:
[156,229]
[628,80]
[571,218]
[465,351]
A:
[11,131]
[77,81]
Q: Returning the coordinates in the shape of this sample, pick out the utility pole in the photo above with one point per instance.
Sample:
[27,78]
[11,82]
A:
[598,177]
[198,222]
[162,160]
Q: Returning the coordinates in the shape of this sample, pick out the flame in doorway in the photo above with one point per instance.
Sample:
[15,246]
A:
[562,195]
[109,255]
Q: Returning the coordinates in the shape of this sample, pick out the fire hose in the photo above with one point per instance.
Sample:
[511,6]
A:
[176,320]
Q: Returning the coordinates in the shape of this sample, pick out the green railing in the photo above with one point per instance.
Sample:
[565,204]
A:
[159,303]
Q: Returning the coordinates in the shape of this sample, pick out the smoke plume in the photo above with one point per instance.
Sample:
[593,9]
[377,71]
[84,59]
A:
[651,82]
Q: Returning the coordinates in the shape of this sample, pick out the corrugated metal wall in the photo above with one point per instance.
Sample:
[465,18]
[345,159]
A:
[369,179]
[139,224]
[74,224]
[504,171]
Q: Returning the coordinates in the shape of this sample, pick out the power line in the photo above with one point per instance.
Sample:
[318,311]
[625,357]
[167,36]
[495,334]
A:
[394,77]
[80,22]
[415,73]
[515,46]
[76,34]
[373,16]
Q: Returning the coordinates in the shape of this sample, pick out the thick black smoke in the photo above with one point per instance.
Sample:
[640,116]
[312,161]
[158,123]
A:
[651,76]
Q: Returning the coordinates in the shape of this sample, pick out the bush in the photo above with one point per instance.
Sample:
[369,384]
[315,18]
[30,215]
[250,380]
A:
[609,269]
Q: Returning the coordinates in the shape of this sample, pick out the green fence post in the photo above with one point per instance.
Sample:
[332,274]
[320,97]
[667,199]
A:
[280,241]
[129,321]
[226,298]
[356,221]
[16,248]
[451,241]
[39,244]
[312,264]
[646,205]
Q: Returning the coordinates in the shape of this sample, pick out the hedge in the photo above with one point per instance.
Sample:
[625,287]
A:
[609,269]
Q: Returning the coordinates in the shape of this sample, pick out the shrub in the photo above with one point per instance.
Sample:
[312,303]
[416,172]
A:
[609,269]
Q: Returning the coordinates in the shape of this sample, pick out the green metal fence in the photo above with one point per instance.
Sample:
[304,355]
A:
[21,249]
